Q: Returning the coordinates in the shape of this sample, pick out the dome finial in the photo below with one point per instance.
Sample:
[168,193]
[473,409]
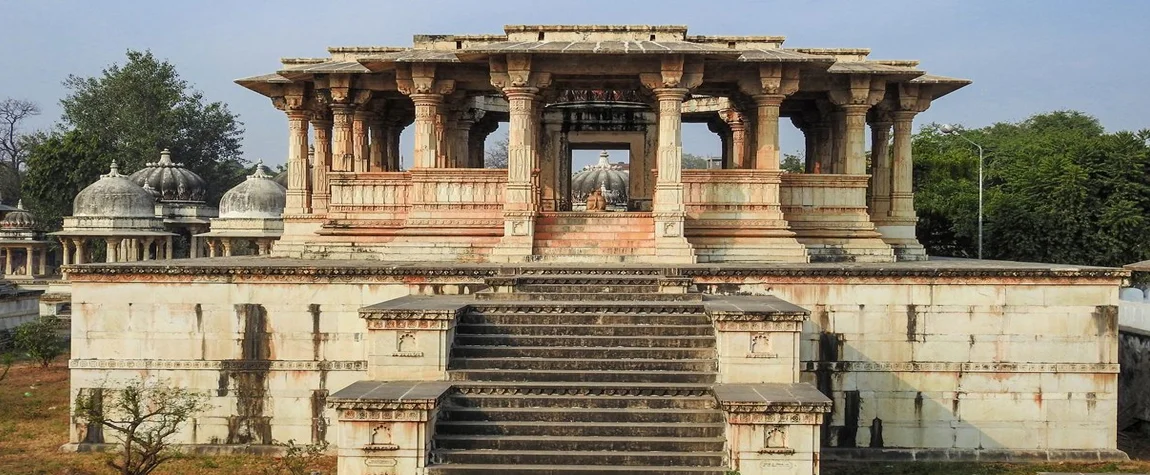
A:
[114,170]
[165,157]
[259,171]
[20,203]
[603,159]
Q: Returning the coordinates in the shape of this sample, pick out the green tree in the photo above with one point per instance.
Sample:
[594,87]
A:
[38,338]
[692,161]
[1058,188]
[794,163]
[59,165]
[143,417]
[131,112]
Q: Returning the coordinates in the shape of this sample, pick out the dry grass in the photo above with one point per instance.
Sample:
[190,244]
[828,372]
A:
[34,424]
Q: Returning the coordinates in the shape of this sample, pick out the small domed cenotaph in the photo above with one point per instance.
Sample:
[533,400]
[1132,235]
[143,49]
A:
[611,179]
[251,217]
[179,194]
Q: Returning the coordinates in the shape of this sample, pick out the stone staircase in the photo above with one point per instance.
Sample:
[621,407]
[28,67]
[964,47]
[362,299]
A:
[595,237]
[582,374]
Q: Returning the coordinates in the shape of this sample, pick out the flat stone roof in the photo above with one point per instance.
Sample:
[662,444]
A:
[392,391]
[256,265]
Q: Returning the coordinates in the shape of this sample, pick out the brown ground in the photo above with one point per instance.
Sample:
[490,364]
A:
[34,424]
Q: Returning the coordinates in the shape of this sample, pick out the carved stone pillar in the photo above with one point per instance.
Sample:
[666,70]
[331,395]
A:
[880,169]
[426,143]
[341,142]
[28,261]
[298,194]
[668,209]
[767,131]
[376,131]
[43,270]
[901,194]
[838,142]
[393,155]
[719,127]
[321,191]
[476,149]
[8,261]
[824,148]
[461,137]
[738,145]
[65,252]
[111,250]
[855,129]
[81,255]
[520,148]
[361,149]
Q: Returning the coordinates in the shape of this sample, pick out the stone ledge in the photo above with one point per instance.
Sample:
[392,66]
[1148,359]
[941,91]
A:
[416,307]
[741,308]
[831,454]
[771,397]
[390,395]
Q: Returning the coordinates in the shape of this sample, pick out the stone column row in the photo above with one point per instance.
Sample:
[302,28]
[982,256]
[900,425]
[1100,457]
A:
[225,247]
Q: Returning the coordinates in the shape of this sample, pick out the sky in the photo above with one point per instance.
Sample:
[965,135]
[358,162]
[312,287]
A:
[1024,56]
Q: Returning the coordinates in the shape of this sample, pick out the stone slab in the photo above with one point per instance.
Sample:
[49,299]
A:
[391,391]
[764,305]
[421,303]
[773,395]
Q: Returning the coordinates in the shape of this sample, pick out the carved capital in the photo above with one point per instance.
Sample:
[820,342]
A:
[674,72]
[858,89]
[913,97]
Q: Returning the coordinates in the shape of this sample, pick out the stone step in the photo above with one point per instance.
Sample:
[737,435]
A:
[525,469]
[569,415]
[538,388]
[588,297]
[588,250]
[579,443]
[584,364]
[584,318]
[503,351]
[599,287]
[579,402]
[627,376]
[550,457]
[586,341]
[616,232]
[627,258]
[600,240]
[585,429]
[568,307]
[584,330]
[608,277]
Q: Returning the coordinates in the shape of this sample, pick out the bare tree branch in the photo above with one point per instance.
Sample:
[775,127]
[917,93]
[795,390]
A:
[13,112]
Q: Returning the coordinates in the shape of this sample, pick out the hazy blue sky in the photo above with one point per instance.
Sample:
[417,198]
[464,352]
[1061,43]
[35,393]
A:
[1025,56]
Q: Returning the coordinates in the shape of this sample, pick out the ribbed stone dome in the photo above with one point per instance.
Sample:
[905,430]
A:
[114,196]
[602,175]
[19,219]
[257,197]
[171,180]
[281,178]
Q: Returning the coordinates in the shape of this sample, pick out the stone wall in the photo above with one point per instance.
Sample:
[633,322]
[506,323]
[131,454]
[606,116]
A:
[1134,380]
[955,360]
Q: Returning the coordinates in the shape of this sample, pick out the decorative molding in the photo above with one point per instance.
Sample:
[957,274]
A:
[896,367]
[750,418]
[575,390]
[218,365]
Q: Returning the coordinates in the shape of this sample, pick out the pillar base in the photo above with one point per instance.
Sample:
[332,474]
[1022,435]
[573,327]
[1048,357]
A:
[900,235]
[671,246]
[848,250]
[518,242]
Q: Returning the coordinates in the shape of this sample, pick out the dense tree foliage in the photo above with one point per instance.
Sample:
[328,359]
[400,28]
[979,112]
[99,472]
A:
[130,113]
[1057,188]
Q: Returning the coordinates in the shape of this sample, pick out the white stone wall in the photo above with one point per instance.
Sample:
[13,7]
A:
[989,363]
[19,310]
[956,363]
[192,332]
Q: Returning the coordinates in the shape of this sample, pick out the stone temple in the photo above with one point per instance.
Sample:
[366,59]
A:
[455,319]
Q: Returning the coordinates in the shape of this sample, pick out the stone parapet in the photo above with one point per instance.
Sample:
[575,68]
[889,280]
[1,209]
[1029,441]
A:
[773,428]
[410,337]
[385,427]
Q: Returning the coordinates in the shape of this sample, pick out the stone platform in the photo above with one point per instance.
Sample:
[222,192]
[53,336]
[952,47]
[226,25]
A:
[925,358]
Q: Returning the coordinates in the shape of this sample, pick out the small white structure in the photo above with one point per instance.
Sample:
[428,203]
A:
[251,217]
[121,214]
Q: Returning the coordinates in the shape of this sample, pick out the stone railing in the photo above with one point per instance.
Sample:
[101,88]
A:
[726,201]
[457,198]
[375,195]
[825,205]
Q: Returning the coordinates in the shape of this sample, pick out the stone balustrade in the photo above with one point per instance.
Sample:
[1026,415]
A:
[374,194]
[828,214]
